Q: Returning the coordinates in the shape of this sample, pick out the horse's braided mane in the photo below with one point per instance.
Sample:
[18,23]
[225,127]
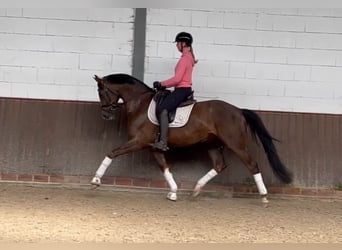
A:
[123,79]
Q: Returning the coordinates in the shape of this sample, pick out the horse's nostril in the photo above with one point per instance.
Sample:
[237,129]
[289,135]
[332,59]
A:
[107,117]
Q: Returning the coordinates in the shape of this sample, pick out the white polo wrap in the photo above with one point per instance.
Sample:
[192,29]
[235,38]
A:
[206,178]
[169,178]
[260,184]
[103,167]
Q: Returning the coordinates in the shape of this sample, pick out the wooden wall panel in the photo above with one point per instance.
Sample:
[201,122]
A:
[70,138]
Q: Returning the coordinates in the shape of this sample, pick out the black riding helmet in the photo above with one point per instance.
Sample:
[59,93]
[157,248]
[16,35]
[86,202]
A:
[184,37]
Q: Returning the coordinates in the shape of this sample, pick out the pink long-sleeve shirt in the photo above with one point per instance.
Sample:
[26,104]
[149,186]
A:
[183,72]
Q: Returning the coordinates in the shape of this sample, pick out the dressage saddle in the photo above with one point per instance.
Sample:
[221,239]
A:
[160,96]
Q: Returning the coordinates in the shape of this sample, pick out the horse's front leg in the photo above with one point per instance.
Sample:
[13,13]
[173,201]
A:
[130,146]
[160,157]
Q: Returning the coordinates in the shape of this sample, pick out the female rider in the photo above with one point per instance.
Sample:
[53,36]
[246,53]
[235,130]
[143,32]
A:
[181,81]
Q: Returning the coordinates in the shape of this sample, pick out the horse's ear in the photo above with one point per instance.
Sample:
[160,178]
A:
[99,81]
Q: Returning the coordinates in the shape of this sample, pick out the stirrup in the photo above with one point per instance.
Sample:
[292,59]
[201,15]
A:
[160,145]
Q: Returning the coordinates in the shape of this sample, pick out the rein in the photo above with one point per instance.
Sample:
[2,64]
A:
[112,106]
[108,94]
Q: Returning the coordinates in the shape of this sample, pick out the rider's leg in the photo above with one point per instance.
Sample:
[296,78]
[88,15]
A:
[169,104]
[163,129]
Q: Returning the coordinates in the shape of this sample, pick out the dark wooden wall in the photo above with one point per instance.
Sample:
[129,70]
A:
[70,138]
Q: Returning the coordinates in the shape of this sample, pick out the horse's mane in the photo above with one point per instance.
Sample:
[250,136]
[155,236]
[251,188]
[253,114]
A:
[124,79]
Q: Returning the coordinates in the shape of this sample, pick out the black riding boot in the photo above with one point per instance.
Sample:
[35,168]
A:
[163,129]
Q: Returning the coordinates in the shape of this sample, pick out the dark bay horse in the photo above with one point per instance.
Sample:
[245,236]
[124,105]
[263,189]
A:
[215,122]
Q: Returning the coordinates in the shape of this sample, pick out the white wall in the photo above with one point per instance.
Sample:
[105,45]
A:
[263,59]
[54,53]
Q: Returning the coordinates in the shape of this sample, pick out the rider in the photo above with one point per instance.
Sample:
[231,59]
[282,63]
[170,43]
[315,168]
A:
[181,81]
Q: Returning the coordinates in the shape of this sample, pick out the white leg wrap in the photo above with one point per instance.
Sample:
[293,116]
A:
[206,178]
[103,167]
[169,178]
[260,184]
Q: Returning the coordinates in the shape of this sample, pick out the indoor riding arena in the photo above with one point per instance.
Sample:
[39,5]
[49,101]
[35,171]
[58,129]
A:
[283,64]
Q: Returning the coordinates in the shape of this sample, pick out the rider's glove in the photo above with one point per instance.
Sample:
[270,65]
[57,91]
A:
[157,85]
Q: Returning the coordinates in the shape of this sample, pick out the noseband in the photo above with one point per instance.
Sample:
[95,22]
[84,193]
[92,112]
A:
[112,106]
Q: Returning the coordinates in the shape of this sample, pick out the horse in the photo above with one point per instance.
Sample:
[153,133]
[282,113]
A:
[216,123]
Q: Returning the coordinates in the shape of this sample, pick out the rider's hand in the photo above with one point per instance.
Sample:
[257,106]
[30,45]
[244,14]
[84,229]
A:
[157,85]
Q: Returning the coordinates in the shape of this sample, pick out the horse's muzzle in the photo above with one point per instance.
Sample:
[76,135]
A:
[107,116]
[108,111]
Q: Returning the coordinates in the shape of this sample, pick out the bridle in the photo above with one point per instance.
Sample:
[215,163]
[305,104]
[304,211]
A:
[107,93]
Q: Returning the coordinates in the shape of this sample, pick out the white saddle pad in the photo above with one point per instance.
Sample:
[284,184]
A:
[181,117]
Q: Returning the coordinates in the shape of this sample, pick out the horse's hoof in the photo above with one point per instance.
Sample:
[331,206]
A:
[172,196]
[196,191]
[264,200]
[95,182]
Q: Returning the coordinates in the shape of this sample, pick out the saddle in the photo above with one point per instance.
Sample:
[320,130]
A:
[160,96]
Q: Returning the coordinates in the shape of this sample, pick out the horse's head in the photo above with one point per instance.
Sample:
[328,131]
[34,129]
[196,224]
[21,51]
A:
[108,98]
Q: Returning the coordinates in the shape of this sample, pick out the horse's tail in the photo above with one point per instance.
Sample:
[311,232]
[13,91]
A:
[258,128]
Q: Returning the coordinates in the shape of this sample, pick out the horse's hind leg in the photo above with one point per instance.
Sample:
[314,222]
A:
[160,158]
[253,168]
[236,140]
[217,158]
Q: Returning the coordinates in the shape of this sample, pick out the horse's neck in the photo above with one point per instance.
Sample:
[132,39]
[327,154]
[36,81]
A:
[135,92]
[137,101]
